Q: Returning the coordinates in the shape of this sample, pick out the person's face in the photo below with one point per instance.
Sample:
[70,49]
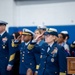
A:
[42,31]
[37,33]
[49,38]
[27,38]
[22,37]
[60,38]
[2,28]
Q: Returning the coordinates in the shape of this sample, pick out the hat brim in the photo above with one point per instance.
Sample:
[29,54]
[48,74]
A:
[27,33]
[2,24]
[51,33]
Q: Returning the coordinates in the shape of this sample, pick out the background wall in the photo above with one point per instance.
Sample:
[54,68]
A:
[45,13]
[24,13]
[7,11]
[33,13]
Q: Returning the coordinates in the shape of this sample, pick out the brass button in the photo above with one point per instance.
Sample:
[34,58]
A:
[22,60]
[30,63]
[22,57]
[40,56]
[22,54]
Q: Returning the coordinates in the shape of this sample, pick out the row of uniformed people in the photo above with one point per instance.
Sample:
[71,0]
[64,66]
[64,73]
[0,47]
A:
[25,38]
[65,45]
[62,40]
[8,49]
[34,51]
[28,59]
[52,55]
[31,59]
[7,52]
[64,35]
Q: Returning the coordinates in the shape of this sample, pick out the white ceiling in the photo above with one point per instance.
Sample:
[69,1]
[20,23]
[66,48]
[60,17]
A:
[28,2]
[47,0]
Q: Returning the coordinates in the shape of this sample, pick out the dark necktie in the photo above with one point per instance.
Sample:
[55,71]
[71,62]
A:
[48,49]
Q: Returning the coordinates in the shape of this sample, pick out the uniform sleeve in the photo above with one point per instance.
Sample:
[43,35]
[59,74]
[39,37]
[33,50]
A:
[37,56]
[36,49]
[62,61]
[12,50]
[37,59]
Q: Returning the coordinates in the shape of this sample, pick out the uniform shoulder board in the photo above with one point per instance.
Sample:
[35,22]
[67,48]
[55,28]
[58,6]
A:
[30,46]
